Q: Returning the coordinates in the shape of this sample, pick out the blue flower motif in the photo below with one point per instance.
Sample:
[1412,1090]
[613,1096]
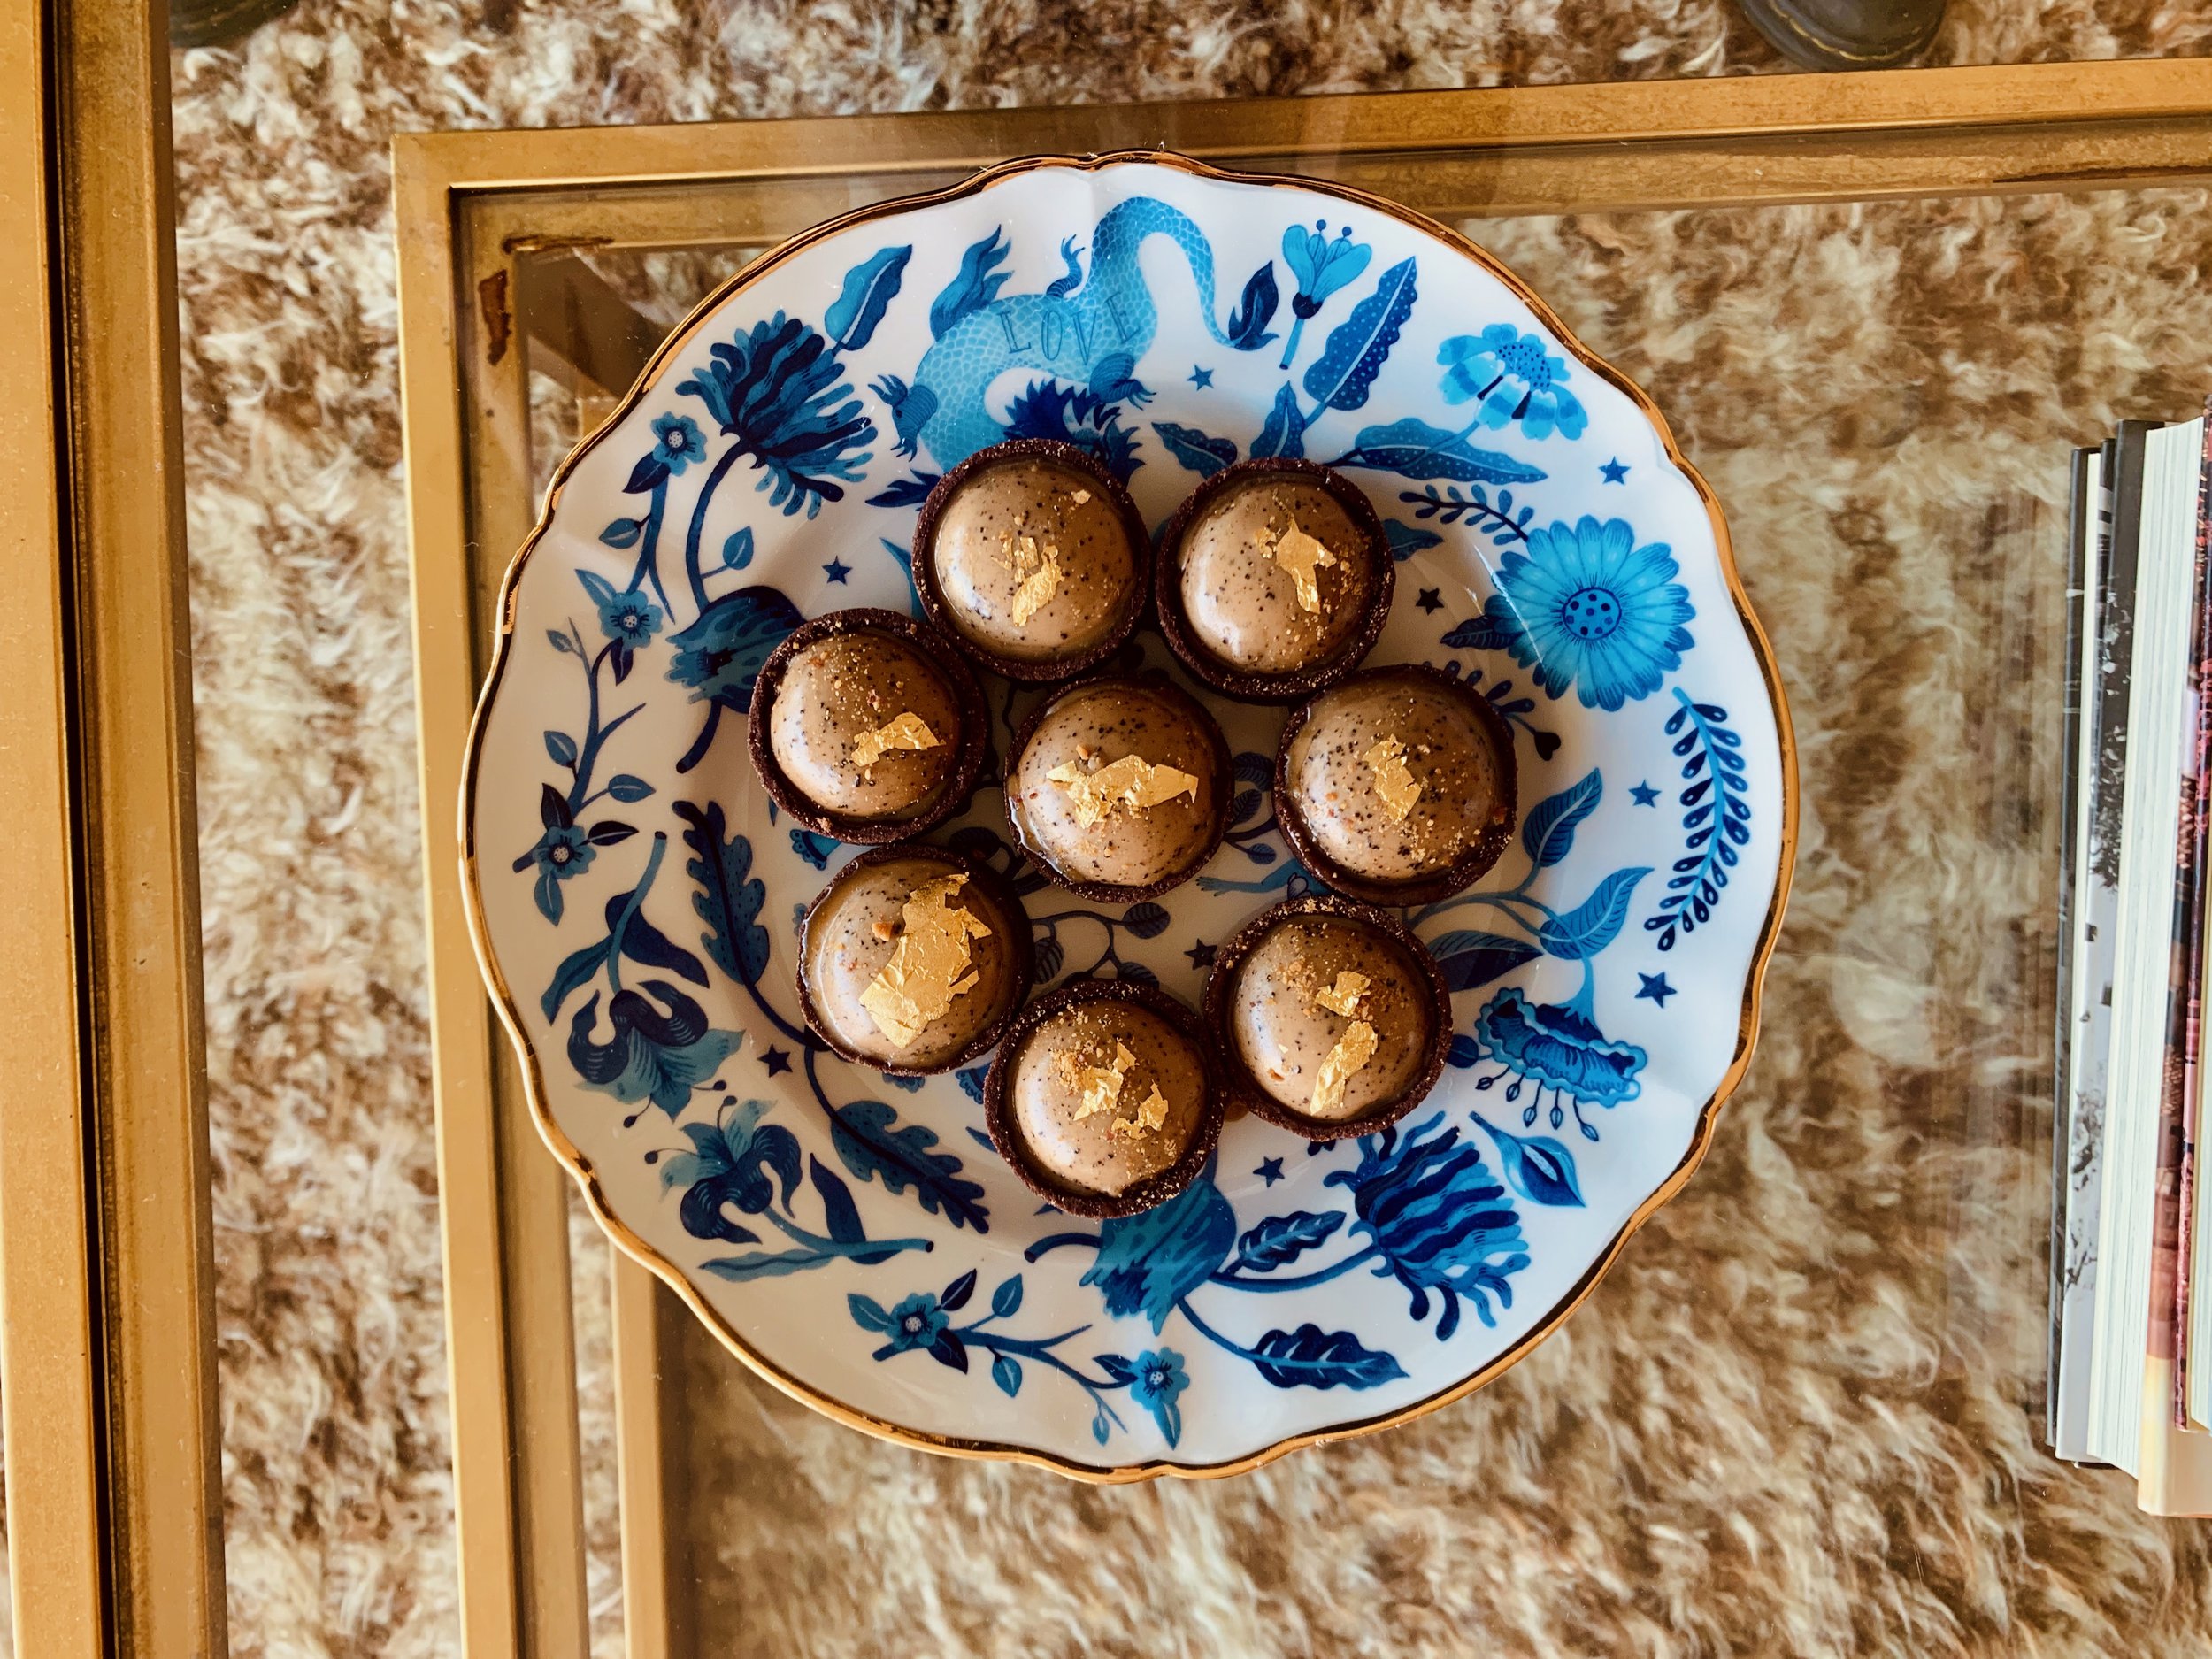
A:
[680,442]
[1149,1261]
[778,389]
[1157,1382]
[630,618]
[1437,1218]
[1586,607]
[1556,1047]
[729,1166]
[918,1322]
[562,852]
[651,1056]
[719,654]
[1321,266]
[1514,379]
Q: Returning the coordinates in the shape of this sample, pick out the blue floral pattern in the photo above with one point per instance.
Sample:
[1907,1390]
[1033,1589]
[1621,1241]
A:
[1584,607]
[1514,379]
[1247,1304]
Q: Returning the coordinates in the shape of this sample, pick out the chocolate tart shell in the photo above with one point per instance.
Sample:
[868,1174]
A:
[1242,1090]
[975,722]
[1024,963]
[1243,685]
[1464,871]
[931,592]
[1108,892]
[998,1107]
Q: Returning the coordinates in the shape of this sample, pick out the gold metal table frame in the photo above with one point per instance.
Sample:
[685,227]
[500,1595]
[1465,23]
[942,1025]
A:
[489,226]
[106,1344]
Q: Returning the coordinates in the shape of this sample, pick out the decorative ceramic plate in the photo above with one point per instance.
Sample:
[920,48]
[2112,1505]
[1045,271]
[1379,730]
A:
[854,1237]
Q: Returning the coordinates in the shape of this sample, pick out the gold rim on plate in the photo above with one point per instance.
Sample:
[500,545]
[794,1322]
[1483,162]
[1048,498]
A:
[581,1167]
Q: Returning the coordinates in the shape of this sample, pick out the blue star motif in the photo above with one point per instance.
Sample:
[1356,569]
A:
[1201,954]
[1645,795]
[1615,470]
[1202,378]
[837,570]
[1431,600]
[1656,988]
[1270,1170]
[776,1060]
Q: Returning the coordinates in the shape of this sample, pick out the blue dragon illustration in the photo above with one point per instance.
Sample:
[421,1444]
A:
[1089,333]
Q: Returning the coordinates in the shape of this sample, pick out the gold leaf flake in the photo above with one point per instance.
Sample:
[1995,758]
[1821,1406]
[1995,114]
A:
[1039,575]
[909,731]
[1303,555]
[1151,1114]
[1343,996]
[1036,572]
[1394,779]
[1131,781]
[930,964]
[1080,496]
[1100,1085]
[1354,1049]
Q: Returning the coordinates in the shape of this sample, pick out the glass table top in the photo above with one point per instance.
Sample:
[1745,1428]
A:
[1807,1401]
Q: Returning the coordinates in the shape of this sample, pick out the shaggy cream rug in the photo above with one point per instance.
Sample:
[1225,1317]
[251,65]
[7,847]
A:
[1793,1421]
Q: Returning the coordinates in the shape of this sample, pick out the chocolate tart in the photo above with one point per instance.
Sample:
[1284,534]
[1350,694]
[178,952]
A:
[1118,847]
[1017,514]
[853,674]
[1035,1091]
[1349,755]
[1248,616]
[853,931]
[1280,1009]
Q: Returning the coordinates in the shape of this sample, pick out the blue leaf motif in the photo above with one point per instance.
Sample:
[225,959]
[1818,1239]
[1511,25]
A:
[1006,1301]
[871,1315]
[727,901]
[718,653]
[622,533]
[1197,451]
[1149,1260]
[976,286]
[1285,433]
[737,550]
[1145,921]
[1359,345]
[575,972]
[1406,540]
[870,287]
[872,1145]
[1537,1167]
[1006,1374]
[562,747]
[1248,323]
[1313,1358]
[1479,633]
[1269,1244]
[647,945]
[1592,924]
[905,492]
[1548,832]
[1415,449]
[1470,957]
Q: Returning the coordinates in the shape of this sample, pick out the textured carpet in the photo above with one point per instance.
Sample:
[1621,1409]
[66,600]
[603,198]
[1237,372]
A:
[1791,1421]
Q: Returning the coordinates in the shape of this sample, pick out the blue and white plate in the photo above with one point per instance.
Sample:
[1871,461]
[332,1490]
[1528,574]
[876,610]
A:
[854,1237]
